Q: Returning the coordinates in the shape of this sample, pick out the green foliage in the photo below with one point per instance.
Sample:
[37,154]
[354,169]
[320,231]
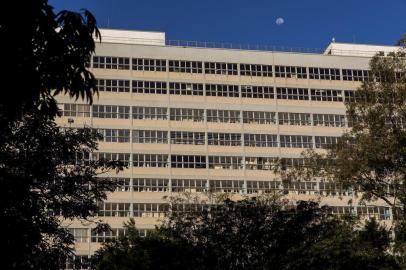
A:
[155,251]
[43,54]
[42,182]
[370,157]
[252,234]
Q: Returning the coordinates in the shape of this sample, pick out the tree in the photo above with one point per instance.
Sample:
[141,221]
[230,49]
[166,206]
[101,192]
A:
[252,234]
[369,157]
[402,41]
[45,178]
[43,54]
[155,251]
[43,173]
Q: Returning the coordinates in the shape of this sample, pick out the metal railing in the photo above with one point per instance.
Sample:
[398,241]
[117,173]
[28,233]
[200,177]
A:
[251,47]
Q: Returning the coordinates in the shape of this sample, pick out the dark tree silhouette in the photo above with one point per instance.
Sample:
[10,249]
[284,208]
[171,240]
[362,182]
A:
[252,234]
[43,54]
[45,178]
[43,173]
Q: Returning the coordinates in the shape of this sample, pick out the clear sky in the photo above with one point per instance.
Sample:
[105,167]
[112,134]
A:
[307,23]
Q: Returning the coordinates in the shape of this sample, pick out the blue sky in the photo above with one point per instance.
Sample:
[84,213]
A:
[307,23]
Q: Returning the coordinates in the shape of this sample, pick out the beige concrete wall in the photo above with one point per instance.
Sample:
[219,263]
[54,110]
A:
[203,102]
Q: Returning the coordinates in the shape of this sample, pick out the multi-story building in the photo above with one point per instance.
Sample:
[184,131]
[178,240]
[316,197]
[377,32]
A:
[189,117]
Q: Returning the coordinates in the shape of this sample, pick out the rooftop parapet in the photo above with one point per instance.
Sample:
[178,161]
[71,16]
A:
[158,39]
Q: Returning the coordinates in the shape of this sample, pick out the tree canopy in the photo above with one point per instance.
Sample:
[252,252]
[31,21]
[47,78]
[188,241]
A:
[45,178]
[44,171]
[252,234]
[370,155]
[44,54]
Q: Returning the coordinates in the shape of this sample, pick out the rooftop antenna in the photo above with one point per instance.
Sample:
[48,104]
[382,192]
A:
[333,40]
[108,22]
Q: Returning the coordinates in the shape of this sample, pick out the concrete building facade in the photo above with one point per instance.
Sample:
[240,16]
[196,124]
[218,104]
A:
[193,119]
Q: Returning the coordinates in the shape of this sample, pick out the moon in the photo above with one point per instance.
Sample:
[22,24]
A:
[279,21]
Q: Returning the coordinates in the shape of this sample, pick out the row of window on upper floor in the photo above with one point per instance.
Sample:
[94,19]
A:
[221,68]
[327,188]
[113,209]
[141,160]
[214,138]
[222,90]
[200,115]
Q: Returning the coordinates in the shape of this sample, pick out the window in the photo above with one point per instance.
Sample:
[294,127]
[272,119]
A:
[188,185]
[150,113]
[255,117]
[76,110]
[292,162]
[189,207]
[186,161]
[185,114]
[260,163]
[123,184]
[349,95]
[299,119]
[80,235]
[109,62]
[221,162]
[190,89]
[324,73]
[224,139]
[149,87]
[330,188]
[111,111]
[222,90]
[185,66]
[263,186]
[223,116]
[150,209]
[108,209]
[261,140]
[296,141]
[144,232]
[81,158]
[256,70]
[77,262]
[147,64]
[150,160]
[115,135]
[107,236]
[329,120]
[292,93]
[122,157]
[112,85]
[326,95]
[150,185]
[379,212]
[342,210]
[252,91]
[150,136]
[185,137]
[302,187]
[290,72]
[325,141]
[355,75]
[227,186]
[220,68]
